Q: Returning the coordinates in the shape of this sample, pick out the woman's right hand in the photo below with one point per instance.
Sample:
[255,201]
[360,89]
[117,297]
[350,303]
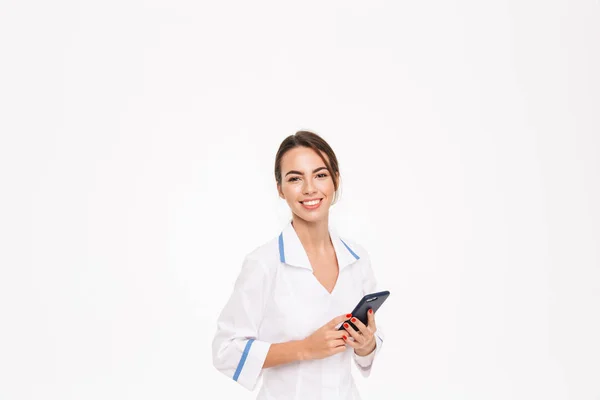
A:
[326,341]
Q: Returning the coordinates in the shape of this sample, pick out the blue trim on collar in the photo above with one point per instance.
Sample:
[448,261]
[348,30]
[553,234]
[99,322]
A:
[242,360]
[281,252]
[350,250]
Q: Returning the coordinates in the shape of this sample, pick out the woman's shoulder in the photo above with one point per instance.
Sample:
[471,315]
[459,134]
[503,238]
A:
[354,246]
[265,253]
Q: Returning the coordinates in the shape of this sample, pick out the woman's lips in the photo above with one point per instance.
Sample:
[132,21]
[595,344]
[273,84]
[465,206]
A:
[312,207]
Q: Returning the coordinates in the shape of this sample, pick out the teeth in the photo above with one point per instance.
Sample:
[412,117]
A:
[312,203]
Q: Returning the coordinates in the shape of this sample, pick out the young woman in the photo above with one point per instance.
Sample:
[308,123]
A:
[293,292]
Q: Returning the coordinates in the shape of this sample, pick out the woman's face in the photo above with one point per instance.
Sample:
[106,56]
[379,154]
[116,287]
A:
[304,177]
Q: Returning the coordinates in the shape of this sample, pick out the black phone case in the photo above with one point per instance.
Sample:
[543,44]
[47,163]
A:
[373,300]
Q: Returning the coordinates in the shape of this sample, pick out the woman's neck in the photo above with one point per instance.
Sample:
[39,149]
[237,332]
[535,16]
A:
[314,236]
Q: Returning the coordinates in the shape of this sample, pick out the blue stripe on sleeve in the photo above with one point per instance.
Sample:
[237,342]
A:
[242,360]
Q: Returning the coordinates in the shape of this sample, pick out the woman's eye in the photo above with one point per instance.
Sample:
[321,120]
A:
[322,175]
[293,179]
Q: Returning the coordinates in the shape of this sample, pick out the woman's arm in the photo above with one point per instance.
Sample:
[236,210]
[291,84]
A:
[324,342]
[237,351]
[370,285]
[284,353]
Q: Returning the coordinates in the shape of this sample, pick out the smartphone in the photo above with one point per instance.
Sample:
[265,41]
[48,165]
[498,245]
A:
[369,301]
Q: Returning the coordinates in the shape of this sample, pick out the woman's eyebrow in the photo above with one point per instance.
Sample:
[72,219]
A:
[300,173]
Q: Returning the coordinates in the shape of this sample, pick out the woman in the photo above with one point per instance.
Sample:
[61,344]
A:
[281,322]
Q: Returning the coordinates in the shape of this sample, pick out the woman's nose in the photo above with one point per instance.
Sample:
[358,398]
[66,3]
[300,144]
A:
[309,187]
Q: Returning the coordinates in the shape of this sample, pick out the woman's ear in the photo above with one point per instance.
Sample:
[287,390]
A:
[280,192]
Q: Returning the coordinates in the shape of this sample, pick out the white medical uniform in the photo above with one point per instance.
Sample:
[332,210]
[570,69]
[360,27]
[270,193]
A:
[276,299]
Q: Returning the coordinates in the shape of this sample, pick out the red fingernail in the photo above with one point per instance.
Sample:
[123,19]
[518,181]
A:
[370,311]
[346,325]
[344,337]
[348,315]
[353,320]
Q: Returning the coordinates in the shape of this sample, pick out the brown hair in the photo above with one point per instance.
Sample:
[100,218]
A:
[312,141]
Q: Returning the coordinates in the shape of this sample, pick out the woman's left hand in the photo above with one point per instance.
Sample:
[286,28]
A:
[364,339]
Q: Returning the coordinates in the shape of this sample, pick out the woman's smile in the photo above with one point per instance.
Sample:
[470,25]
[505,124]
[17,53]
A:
[311,204]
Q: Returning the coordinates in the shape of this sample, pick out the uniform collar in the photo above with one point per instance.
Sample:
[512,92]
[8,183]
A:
[292,252]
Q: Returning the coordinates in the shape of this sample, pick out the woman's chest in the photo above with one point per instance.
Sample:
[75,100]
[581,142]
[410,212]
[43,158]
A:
[299,303]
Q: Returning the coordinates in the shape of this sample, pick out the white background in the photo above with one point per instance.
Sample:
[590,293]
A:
[136,166]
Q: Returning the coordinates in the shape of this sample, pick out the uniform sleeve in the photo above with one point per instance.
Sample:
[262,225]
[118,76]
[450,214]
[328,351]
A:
[236,350]
[370,285]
